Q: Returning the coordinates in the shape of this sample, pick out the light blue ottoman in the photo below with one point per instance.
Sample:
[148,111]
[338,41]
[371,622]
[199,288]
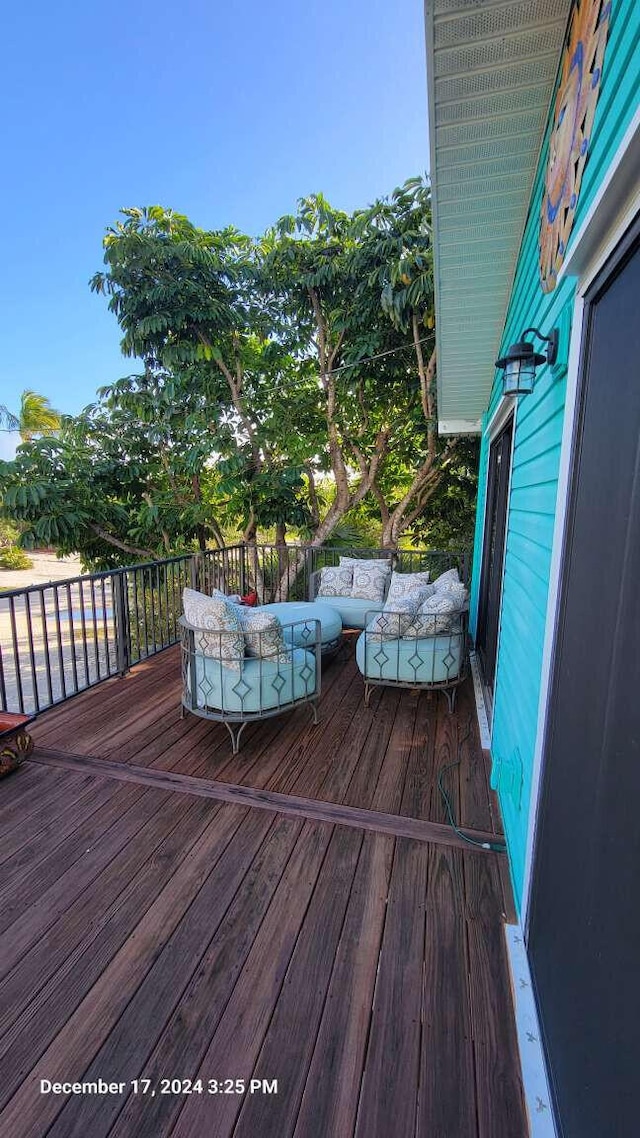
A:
[330,624]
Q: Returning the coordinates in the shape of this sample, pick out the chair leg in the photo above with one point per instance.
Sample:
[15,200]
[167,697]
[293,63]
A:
[451,698]
[235,732]
[367,694]
[314,714]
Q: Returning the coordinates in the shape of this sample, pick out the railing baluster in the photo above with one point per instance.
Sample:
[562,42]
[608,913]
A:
[83,625]
[72,639]
[3,687]
[61,661]
[16,653]
[32,654]
[105,624]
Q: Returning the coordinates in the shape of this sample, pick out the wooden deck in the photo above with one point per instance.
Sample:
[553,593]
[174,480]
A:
[298,913]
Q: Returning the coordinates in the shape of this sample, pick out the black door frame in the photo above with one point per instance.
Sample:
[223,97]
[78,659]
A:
[626,246]
[496,508]
[597,286]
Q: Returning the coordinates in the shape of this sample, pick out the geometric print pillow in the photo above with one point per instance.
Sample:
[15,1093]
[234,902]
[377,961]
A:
[440,613]
[446,580]
[404,584]
[263,635]
[395,617]
[369,577]
[336,581]
[216,619]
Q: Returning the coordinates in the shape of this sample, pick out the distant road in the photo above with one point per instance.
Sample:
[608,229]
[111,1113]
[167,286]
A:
[46,567]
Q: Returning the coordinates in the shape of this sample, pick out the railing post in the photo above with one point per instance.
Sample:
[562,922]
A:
[243,570]
[195,566]
[121,614]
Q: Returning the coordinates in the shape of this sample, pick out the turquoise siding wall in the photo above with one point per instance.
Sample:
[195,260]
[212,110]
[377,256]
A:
[538,434]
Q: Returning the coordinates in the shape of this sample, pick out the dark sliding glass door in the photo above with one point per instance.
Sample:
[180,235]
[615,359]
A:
[495,531]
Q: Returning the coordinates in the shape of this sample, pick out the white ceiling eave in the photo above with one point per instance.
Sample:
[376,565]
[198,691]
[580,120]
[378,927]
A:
[491,68]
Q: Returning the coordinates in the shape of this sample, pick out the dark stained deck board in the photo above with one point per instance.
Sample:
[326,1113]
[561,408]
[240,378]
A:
[191,1026]
[330,1099]
[339,937]
[500,1098]
[312,808]
[97,814]
[402,736]
[62,831]
[389,1088]
[49,952]
[288,1044]
[446,1046]
[219,940]
[76,882]
[236,1042]
[44,800]
[95,707]
[81,1035]
[127,1047]
[41,1016]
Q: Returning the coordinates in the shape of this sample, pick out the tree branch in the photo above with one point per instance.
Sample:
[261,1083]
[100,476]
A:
[132,549]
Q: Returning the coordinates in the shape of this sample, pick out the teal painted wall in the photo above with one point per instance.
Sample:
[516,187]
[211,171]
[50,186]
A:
[538,434]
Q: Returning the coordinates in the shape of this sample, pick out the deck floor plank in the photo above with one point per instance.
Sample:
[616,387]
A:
[124,1052]
[192,1024]
[236,1043]
[289,1042]
[299,912]
[446,1102]
[501,1110]
[330,1098]
[83,1033]
[99,812]
[389,1089]
[44,1013]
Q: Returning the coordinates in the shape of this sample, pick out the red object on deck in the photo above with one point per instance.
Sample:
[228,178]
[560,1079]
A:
[9,721]
[250,599]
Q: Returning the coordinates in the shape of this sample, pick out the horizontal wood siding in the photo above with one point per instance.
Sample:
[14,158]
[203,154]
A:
[537,443]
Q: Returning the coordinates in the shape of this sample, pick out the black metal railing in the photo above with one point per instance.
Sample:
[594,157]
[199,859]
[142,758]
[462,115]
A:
[284,572]
[60,638]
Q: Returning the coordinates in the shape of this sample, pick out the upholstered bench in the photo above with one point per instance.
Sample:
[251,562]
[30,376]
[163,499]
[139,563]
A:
[235,691]
[437,662]
[304,614]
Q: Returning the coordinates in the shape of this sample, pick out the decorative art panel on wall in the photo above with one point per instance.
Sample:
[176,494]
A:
[575,107]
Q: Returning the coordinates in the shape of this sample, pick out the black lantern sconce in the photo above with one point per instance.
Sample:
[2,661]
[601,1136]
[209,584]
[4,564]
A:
[520,363]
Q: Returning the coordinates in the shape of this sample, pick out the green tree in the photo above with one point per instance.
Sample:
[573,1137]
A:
[189,302]
[288,381]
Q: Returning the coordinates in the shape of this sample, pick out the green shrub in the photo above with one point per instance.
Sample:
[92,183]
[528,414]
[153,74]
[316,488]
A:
[9,534]
[15,558]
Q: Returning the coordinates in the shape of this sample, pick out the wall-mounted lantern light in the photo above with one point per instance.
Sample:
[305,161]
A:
[520,363]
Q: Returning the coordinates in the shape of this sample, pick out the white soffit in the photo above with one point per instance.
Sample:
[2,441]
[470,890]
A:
[491,69]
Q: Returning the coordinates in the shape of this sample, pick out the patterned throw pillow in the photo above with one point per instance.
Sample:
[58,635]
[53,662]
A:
[263,635]
[405,584]
[446,580]
[370,577]
[440,613]
[336,581]
[219,632]
[459,593]
[395,617]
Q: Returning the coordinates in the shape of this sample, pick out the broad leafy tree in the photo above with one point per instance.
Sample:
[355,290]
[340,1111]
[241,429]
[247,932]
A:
[287,382]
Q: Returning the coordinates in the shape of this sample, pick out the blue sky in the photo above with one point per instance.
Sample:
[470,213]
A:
[227,112]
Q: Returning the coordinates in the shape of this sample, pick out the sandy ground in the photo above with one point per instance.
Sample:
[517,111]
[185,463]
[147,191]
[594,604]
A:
[46,567]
